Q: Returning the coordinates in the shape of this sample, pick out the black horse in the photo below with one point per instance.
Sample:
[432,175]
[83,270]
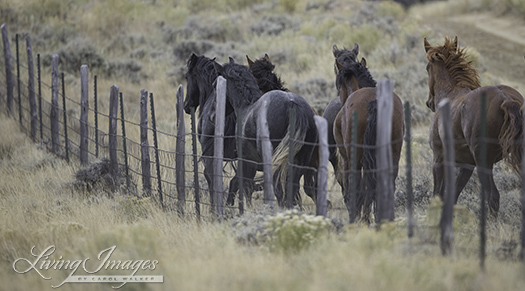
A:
[242,92]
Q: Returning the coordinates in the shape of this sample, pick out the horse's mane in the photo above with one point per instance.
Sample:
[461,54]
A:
[204,67]
[460,69]
[246,89]
[262,70]
[359,71]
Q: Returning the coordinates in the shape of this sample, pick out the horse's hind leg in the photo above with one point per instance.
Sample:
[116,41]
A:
[486,177]
[462,178]
[234,187]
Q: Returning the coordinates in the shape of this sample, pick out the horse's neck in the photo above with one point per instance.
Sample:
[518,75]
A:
[454,93]
[351,87]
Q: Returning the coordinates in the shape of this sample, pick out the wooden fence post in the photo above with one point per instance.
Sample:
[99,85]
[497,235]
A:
[156,147]
[522,252]
[289,197]
[266,146]
[180,153]
[54,104]
[31,89]
[408,147]
[322,171]
[84,106]
[18,82]
[112,132]
[240,170]
[144,144]
[64,111]
[484,187]
[385,177]
[95,112]
[8,69]
[195,165]
[220,111]
[124,140]
[40,97]
[447,232]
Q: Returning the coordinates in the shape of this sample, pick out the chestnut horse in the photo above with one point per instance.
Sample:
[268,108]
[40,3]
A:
[354,98]
[451,75]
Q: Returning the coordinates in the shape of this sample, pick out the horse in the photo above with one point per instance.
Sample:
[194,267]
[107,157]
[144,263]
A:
[344,58]
[358,93]
[242,92]
[451,76]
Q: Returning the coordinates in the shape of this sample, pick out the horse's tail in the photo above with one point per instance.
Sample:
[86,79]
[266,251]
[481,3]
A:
[511,135]
[368,160]
[281,152]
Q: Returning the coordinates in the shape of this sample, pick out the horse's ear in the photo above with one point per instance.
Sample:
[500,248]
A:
[267,57]
[455,44]
[363,62]
[427,45]
[231,60]
[335,50]
[192,60]
[250,62]
[356,49]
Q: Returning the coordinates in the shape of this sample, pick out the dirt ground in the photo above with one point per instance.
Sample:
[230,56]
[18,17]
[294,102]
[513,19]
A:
[499,40]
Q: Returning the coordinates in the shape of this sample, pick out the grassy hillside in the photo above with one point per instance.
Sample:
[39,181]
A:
[145,44]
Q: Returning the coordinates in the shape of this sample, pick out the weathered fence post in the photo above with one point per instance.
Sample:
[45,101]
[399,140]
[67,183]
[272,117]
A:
[156,146]
[447,232]
[18,82]
[40,97]
[124,145]
[291,131]
[240,170]
[144,144]
[180,153]
[31,89]
[84,106]
[351,190]
[385,177]
[322,171]
[220,111]
[54,104]
[522,252]
[195,165]
[484,187]
[408,147]
[65,118]
[266,147]
[8,69]
[112,132]
[95,112]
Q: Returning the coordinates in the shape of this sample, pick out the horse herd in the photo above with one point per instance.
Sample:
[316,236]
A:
[255,87]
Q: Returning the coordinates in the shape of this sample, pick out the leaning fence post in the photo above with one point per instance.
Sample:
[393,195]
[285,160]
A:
[322,171]
[220,112]
[65,117]
[84,106]
[156,146]
[483,167]
[40,97]
[408,146]
[180,153]
[31,88]
[522,252]
[266,146]
[291,131]
[447,232]
[125,148]
[385,177]
[18,82]
[95,112]
[8,69]
[144,144]
[54,104]
[195,165]
[112,132]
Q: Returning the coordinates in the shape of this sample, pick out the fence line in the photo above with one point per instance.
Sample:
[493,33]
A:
[86,137]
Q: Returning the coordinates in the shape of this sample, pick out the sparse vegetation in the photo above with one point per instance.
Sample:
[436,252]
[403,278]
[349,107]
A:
[145,44]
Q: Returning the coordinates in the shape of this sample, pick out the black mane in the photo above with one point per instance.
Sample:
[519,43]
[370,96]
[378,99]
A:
[202,69]
[242,88]
[359,71]
[262,70]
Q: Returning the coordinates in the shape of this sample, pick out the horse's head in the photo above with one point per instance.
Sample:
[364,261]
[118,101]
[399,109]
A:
[435,58]
[199,80]
[262,70]
[352,77]
[344,57]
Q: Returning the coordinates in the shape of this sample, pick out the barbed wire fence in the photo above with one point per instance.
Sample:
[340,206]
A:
[147,170]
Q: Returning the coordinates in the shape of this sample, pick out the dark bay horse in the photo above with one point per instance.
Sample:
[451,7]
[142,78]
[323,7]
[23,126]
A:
[362,99]
[262,70]
[242,92]
[451,75]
